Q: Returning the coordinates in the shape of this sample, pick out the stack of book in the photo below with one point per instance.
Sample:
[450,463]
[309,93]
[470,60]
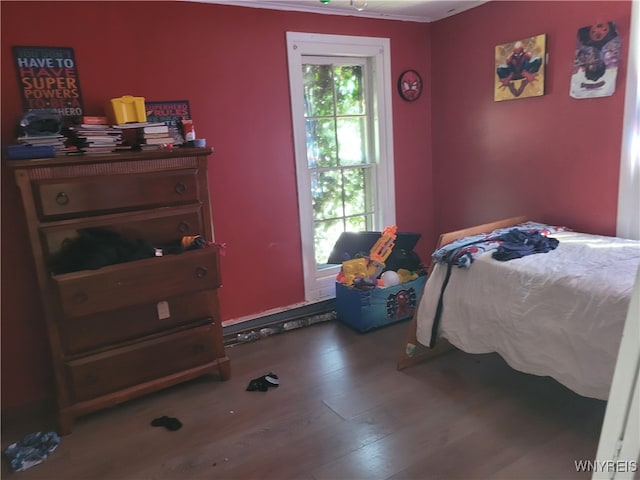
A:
[55,142]
[95,135]
[147,135]
[96,138]
[154,136]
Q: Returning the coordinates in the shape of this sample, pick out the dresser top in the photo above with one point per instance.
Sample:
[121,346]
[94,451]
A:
[108,157]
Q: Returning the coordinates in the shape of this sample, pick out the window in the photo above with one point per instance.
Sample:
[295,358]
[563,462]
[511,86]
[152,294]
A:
[341,111]
[337,121]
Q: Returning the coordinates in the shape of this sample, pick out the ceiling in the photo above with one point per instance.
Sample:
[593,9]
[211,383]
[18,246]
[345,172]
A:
[408,10]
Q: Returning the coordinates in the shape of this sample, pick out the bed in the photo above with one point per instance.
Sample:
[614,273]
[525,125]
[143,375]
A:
[558,314]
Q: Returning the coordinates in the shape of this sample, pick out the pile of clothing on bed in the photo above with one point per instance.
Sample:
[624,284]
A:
[506,243]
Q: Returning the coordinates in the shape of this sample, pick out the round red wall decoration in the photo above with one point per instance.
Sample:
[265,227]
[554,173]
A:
[410,85]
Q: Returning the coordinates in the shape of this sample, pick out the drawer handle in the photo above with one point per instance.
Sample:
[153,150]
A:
[183,227]
[201,272]
[62,198]
[180,188]
[80,297]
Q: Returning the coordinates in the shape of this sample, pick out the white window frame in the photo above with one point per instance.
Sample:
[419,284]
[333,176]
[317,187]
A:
[319,284]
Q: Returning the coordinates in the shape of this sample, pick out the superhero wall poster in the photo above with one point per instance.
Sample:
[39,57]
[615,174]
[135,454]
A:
[519,69]
[596,63]
[48,78]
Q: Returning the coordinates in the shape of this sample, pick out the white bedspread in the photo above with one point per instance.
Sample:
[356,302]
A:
[559,313]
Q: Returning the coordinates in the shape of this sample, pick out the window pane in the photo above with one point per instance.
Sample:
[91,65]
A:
[369,191]
[318,90]
[326,194]
[326,235]
[357,224]
[351,140]
[342,175]
[354,192]
[349,90]
[321,143]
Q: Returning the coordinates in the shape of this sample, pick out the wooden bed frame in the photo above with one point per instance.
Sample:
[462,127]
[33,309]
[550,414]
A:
[413,351]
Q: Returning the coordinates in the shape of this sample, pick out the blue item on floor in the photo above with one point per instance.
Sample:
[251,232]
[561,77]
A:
[31,450]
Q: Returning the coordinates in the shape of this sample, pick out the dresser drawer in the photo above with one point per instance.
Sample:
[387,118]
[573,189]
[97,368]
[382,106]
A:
[136,283]
[106,372]
[109,193]
[83,334]
[159,227]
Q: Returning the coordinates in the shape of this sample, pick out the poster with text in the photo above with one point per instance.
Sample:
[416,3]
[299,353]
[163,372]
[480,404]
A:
[595,66]
[48,78]
[169,112]
[519,69]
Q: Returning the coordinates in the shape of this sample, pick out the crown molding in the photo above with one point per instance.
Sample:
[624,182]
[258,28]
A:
[343,9]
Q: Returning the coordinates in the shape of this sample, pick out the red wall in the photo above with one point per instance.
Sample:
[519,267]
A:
[231,64]
[553,157]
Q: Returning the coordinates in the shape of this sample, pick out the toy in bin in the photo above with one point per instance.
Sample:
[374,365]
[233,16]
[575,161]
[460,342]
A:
[365,271]
[368,296]
[365,310]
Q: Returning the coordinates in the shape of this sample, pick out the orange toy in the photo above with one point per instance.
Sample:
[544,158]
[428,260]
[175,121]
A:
[381,251]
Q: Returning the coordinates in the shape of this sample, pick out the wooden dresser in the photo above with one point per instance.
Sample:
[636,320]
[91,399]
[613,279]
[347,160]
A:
[124,330]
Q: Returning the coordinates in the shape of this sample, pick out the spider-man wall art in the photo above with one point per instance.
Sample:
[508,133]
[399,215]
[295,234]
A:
[595,67]
[520,68]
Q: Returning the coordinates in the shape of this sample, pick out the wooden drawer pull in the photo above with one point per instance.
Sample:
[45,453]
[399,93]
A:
[201,272]
[62,198]
[80,297]
[180,188]
[183,227]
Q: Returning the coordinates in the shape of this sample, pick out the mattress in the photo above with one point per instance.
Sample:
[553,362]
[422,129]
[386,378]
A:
[557,314]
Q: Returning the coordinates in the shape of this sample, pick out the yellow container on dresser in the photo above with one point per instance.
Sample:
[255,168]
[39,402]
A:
[128,109]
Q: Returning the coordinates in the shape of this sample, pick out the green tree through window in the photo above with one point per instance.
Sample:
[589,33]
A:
[337,121]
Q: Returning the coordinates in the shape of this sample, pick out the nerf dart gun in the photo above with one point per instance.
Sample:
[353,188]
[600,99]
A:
[381,251]
[369,269]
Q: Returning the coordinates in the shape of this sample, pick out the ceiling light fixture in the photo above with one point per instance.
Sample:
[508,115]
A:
[359,5]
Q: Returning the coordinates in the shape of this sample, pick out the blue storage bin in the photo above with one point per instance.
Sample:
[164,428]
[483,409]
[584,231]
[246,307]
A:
[365,310]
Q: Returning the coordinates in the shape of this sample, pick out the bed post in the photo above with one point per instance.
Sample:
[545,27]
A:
[414,352]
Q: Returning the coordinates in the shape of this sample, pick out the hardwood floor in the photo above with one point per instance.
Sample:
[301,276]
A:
[342,411]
